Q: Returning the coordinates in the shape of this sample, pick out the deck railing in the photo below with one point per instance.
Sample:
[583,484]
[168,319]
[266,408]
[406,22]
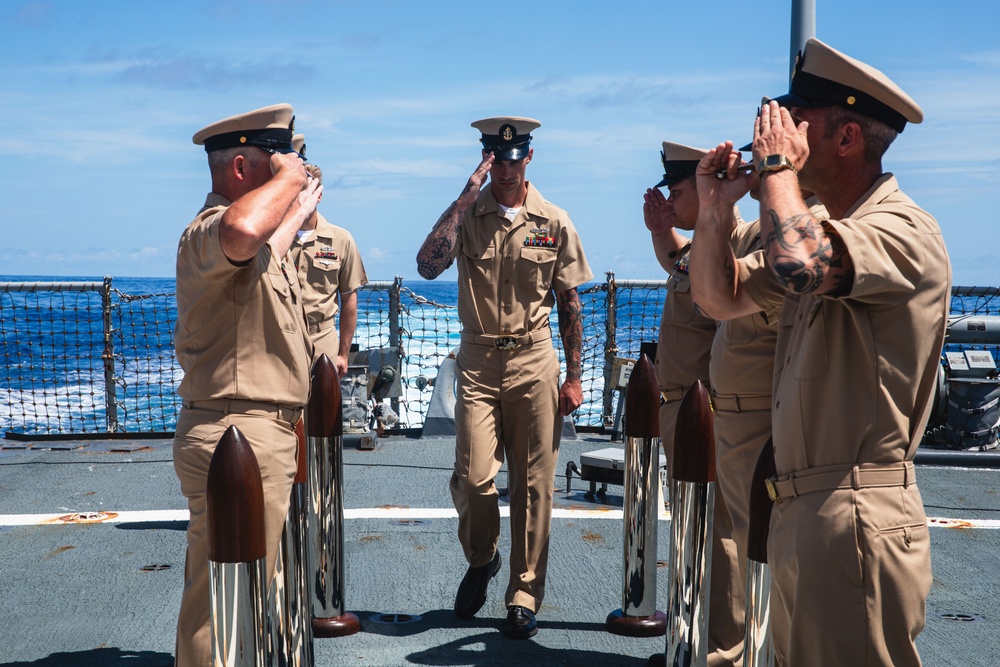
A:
[85,358]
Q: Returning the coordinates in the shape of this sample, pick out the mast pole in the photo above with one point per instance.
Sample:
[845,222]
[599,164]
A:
[803,27]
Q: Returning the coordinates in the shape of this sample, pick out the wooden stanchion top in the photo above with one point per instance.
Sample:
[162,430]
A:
[324,414]
[642,401]
[235,499]
[760,504]
[694,438]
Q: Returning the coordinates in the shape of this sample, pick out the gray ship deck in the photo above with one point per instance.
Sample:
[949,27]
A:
[88,595]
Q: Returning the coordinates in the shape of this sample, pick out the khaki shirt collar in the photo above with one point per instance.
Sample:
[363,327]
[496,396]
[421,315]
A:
[882,188]
[535,207]
[215,200]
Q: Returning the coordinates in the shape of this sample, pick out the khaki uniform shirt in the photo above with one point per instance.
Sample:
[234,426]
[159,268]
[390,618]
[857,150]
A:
[506,285]
[855,374]
[240,330]
[743,349]
[328,264]
[685,341]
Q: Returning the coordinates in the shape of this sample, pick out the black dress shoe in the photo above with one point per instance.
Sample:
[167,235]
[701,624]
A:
[472,591]
[520,623]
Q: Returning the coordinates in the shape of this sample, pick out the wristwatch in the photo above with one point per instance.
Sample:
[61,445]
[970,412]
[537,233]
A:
[772,163]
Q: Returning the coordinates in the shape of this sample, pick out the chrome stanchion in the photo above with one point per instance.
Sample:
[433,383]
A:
[692,506]
[638,616]
[237,553]
[290,636]
[757,649]
[325,527]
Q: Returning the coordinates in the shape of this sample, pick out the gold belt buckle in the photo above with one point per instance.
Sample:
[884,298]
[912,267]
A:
[771,492]
[505,343]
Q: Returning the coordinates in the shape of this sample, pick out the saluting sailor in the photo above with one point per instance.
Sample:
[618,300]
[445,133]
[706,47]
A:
[867,290]
[518,255]
[240,335]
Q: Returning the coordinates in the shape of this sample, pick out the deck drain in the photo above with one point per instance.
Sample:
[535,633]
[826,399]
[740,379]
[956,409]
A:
[962,616]
[411,522]
[87,517]
[395,619]
[158,567]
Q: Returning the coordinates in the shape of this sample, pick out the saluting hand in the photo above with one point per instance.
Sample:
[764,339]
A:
[724,192]
[655,212]
[309,197]
[475,183]
[288,164]
[775,133]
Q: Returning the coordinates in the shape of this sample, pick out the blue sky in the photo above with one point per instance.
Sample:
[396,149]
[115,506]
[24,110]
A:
[100,99]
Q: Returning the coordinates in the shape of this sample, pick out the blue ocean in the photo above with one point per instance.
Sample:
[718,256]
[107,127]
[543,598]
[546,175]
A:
[79,356]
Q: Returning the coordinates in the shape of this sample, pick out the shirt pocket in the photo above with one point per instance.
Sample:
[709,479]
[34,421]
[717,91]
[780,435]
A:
[536,267]
[479,260]
[814,357]
[323,275]
[282,297]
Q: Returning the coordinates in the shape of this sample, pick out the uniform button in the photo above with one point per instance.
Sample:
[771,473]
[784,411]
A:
[506,329]
[777,404]
[506,281]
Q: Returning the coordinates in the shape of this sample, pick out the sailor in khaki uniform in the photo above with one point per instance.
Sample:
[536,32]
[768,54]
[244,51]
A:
[240,335]
[859,343]
[687,337]
[741,370]
[517,255]
[330,270]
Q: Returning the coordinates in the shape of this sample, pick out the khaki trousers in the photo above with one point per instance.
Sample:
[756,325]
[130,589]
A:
[507,408]
[851,571]
[326,342]
[198,432]
[739,438]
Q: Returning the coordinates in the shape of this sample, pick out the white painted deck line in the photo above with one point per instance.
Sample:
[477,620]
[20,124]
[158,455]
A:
[9,520]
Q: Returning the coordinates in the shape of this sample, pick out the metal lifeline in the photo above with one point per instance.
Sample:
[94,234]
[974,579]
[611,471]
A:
[325,523]
[290,635]
[638,616]
[692,507]
[757,648]
[237,554]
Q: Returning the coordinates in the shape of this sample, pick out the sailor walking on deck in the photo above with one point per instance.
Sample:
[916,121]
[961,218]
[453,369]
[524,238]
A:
[518,255]
[859,342]
[241,337]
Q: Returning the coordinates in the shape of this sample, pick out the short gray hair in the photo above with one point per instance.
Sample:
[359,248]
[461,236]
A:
[878,136]
[221,159]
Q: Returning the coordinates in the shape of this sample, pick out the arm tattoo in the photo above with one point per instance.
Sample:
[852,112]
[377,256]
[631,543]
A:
[786,242]
[435,254]
[571,331]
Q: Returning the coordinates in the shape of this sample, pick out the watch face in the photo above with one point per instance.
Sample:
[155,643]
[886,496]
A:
[772,160]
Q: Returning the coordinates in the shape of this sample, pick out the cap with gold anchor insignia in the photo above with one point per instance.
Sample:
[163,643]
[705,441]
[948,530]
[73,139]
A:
[269,128]
[825,77]
[508,137]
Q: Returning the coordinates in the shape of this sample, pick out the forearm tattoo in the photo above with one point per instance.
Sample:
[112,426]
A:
[785,245]
[571,331]
[435,254]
